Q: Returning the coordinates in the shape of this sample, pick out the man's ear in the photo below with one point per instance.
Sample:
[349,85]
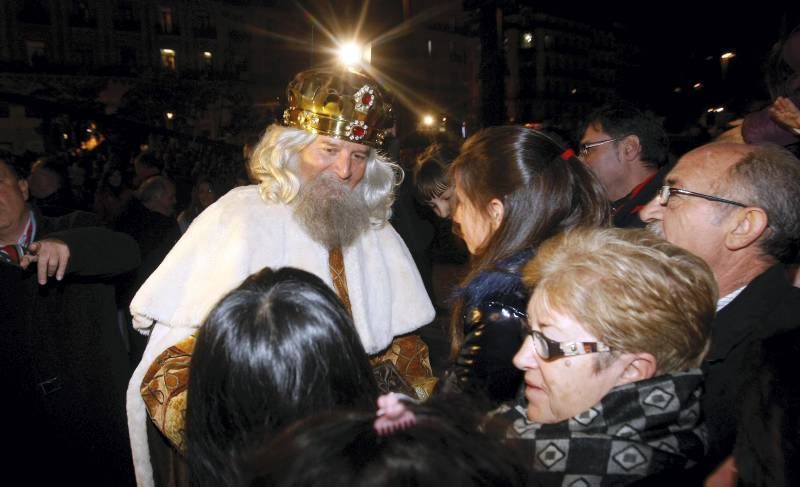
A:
[640,366]
[496,213]
[747,226]
[23,188]
[631,148]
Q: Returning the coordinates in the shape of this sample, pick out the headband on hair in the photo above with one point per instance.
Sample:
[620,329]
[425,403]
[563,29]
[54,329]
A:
[567,154]
[393,415]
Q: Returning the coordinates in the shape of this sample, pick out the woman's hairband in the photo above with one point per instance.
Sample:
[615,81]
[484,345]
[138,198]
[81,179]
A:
[393,415]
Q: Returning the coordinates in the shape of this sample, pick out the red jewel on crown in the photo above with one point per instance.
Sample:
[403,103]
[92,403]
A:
[356,130]
[364,98]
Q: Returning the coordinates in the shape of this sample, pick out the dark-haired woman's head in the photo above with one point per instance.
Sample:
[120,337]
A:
[277,348]
[514,188]
[522,187]
[442,448]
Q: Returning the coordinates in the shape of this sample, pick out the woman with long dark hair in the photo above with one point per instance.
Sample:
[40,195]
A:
[514,188]
[277,348]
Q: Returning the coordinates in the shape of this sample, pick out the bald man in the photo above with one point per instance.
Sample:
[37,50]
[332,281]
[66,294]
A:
[737,206]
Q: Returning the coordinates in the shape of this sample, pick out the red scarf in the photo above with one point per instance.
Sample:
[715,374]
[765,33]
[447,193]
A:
[13,252]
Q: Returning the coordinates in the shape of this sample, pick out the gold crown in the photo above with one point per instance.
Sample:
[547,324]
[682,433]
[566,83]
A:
[338,103]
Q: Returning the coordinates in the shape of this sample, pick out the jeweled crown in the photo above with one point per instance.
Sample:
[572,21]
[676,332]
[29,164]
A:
[338,103]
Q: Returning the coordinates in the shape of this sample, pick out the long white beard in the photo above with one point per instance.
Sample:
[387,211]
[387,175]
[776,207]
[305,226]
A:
[332,213]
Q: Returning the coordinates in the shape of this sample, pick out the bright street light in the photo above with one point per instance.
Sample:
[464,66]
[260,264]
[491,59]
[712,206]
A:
[728,55]
[427,120]
[350,54]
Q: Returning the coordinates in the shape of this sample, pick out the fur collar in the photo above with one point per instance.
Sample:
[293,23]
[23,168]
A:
[501,280]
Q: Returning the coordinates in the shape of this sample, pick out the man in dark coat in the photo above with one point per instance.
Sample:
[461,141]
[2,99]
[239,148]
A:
[738,207]
[625,148]
[62,354]
[149,219]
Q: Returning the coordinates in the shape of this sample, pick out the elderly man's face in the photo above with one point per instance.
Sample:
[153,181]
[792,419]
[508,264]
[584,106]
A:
[346,161]
[567,386]
[696,224]
[13,194]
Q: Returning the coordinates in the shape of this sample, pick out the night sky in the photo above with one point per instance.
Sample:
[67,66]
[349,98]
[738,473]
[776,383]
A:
[681,43]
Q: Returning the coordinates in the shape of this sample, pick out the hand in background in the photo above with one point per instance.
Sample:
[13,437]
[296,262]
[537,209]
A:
[784,111]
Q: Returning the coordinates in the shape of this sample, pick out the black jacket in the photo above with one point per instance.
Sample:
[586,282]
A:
[767,306]
[626,212]
[492,315]
[64,361]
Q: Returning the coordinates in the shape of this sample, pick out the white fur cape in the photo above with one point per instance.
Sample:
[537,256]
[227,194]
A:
[239,235]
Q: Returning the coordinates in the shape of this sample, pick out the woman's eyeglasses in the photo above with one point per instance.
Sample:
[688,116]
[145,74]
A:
[549,349]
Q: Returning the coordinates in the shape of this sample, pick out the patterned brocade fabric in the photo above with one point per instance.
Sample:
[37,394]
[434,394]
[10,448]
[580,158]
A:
[164,390]
[409,357]
[404,367]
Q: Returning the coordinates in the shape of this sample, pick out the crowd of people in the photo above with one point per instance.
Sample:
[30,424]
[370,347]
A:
[627,316]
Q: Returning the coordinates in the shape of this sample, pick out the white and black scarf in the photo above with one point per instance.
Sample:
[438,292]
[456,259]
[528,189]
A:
[635,431]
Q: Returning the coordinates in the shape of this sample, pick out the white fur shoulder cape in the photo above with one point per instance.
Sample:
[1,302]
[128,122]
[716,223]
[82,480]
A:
[239,235]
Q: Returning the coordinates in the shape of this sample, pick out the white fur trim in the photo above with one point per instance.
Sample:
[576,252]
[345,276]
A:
[239,235]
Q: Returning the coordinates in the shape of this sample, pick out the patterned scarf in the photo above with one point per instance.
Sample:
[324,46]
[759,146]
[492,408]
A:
[635,431]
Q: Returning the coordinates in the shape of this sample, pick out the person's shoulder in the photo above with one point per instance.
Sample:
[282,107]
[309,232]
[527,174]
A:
[246,203]
[74,219]
[496,285]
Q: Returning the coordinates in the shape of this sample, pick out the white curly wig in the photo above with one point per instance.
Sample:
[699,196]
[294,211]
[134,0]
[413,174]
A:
[274,163]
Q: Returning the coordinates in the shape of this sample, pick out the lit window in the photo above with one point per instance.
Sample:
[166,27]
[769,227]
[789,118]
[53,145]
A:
[35,51]
[527,40]
[166,20]
[168,59]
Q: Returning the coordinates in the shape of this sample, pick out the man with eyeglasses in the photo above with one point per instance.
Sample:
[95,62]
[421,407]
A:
[737,207]
[625,148]
[616,329]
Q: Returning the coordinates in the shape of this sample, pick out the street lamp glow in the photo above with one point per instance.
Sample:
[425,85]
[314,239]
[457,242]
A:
[728,55]
[697,85]
[169,115]
[350,53]
[427,120]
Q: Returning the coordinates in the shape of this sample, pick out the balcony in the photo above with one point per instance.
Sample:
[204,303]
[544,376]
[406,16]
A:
[127,25]
[83,21]
[168,29]
[206,32]
[34,15]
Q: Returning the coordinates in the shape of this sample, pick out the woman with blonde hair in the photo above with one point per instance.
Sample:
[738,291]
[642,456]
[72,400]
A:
[618,324]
